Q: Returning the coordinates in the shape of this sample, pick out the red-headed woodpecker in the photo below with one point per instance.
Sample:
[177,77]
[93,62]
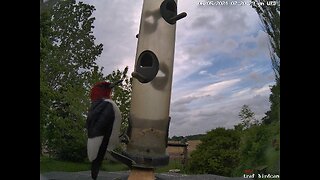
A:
[103,125]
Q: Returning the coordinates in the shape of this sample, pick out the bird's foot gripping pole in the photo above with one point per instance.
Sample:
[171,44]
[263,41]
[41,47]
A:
[123,159]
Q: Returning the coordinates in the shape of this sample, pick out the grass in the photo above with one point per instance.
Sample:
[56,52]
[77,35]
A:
[49,164]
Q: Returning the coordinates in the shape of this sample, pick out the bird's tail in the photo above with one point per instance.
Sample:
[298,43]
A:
[95,166]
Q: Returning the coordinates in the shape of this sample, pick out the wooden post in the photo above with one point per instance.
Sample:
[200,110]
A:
[185,155]
[141,174]
[185,150]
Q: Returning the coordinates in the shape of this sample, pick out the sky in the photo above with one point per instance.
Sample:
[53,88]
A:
[221,60]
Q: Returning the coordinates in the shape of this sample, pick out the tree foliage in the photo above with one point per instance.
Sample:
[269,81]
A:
[274,113]
[229,152]
[260,146]
[217,154]
[67,71]
[247,117]
[270,17]
[189,137]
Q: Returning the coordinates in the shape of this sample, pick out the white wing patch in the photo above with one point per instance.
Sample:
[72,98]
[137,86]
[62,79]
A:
[93,147]
[114,140]
[94,144]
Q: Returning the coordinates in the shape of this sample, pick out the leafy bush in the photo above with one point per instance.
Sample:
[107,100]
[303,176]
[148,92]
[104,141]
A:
[67,140]
[217,154]
[72,150]
[260,146]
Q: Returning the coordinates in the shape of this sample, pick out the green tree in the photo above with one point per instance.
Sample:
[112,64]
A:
[270,18]
[247,117]
[45,91]
[260,146]
[274,113]
[217,154]
[67,71]
[177,138]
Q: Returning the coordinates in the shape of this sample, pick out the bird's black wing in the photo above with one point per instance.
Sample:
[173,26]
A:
[100,119]
[100,123]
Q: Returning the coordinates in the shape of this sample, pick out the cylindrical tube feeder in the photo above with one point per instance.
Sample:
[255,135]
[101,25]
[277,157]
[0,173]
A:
[152,82]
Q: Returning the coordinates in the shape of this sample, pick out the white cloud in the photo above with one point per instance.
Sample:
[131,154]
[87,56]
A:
[184,66]
[116,25]
[215,88]
[216,112]
[193,92]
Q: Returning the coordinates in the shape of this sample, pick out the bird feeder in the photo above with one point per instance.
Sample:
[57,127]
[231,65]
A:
[152,83]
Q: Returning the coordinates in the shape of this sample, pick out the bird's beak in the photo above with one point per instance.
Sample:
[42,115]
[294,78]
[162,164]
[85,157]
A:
[115,83]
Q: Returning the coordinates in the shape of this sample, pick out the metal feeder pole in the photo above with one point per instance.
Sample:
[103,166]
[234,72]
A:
[151,88]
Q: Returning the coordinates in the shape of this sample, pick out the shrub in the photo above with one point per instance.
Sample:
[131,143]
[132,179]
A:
[217,154]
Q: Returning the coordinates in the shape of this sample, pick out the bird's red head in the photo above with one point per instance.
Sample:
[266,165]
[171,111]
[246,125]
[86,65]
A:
[100,90]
